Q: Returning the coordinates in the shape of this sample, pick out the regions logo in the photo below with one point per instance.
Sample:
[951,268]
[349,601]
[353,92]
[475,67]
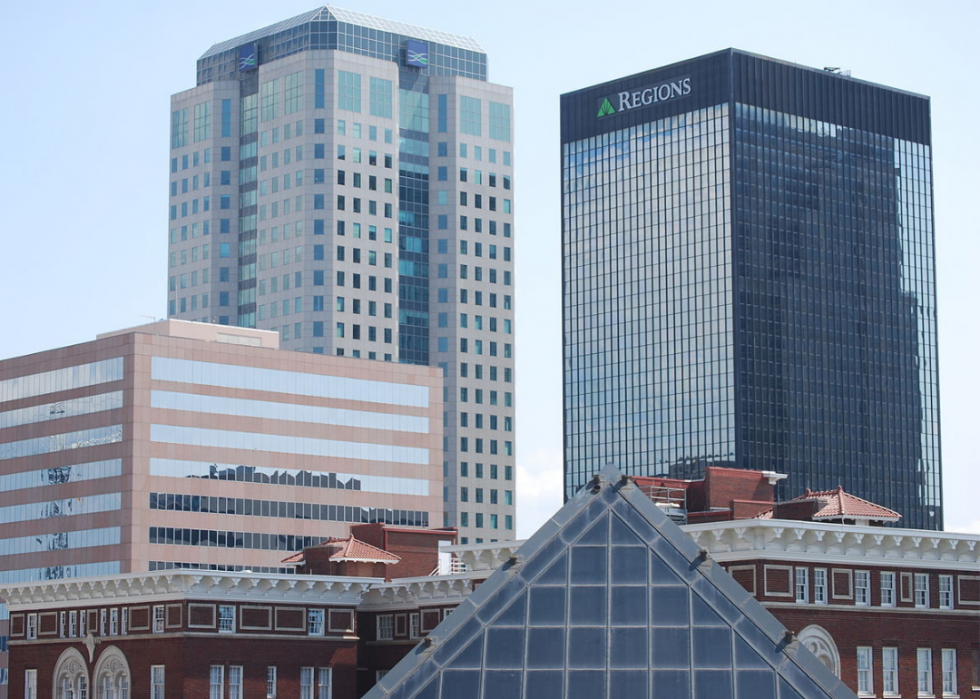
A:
[633,99]
[248,57]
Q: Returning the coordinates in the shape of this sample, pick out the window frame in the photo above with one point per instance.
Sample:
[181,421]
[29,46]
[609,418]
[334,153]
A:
[801,585]
[923,672]
[865,671]
[889,675]
[156,685]
[889,576]
[388,627]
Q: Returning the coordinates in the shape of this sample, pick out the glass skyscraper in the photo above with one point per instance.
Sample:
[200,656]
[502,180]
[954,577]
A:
[749,280]
[347,181]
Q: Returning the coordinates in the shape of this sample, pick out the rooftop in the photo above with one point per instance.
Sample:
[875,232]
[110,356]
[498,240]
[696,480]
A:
[329,13]
[838,504]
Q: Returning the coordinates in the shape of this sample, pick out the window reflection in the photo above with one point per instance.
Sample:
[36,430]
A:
[199,436]
[256,379]
[248,507]
[61,442]
[288,411]
[66,507]
[62,379]
[206,470]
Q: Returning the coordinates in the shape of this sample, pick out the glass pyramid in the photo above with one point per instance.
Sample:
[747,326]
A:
[610,599]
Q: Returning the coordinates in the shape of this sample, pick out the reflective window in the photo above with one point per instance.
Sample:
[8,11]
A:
[62,379]
[62,409]
[248,507]
[72,473]
[61,442]
[256,379]
[210,470]
[60,541]
[66,507]
[198,436]
[292,412]
[81,570]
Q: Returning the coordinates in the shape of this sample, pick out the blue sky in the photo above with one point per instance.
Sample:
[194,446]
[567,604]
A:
[83,184]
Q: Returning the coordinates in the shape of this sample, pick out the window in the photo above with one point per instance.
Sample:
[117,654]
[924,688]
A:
[862,588]
[949,672]
[889,671]
[324,683]
[349,91]
[31,626]
[235,682]
[103,617]
[887,589]
[802,586]
[921,590]
[865,684]
[306,683]
[386,629]
[923,660]
[945,591]
[413,625]
[820,586]
[61,624]
[314,622]
[124,621]
[226,618]
[113,622]
[270,682]
[470,110]
[157,682]
[72,624]
[30,684]
[217,682]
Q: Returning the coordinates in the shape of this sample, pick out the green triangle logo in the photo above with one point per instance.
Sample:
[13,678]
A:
[606,109]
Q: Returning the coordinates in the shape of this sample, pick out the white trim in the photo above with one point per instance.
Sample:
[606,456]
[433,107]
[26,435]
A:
[790,576]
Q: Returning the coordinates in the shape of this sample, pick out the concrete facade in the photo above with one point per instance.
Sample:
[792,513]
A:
[155,449]
[360,205]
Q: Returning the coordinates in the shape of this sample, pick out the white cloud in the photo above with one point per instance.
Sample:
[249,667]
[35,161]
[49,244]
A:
[540,484]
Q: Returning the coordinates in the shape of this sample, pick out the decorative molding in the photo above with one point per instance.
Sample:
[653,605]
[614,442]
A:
[255,609]
[846,573]
[178,584]
[300,612]
[751,568]
[789,581]
[975,579]
[823,543]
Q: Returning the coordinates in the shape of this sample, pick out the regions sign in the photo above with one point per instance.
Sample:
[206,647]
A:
[643,97]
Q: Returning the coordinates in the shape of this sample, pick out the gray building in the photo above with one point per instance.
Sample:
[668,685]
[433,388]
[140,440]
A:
[347,181]
[749,279]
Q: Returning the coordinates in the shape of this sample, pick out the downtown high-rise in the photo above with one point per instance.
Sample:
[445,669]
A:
[348,181]
[749,279]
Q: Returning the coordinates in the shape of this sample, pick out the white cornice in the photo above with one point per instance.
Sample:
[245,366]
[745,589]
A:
[486,557]
[777,539]
[187,584]
[418,591]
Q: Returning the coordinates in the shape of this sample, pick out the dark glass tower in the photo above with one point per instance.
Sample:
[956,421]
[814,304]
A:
[749,279]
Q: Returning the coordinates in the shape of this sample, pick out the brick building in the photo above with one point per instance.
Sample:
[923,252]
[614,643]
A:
[892,612]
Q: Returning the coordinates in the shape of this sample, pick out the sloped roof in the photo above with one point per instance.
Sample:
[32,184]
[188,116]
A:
[610,599]
[350,550]
[328,12]
[838,504]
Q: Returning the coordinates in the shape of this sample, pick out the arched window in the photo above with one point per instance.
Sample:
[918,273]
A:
[71,676]
[112,674]
[818,641]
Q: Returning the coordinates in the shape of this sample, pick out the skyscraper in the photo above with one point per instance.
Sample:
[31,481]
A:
[749,279]
[347,181]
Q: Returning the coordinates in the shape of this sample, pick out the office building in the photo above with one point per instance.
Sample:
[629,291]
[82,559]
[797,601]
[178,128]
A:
[749,280]
[192,445]
[347,181]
